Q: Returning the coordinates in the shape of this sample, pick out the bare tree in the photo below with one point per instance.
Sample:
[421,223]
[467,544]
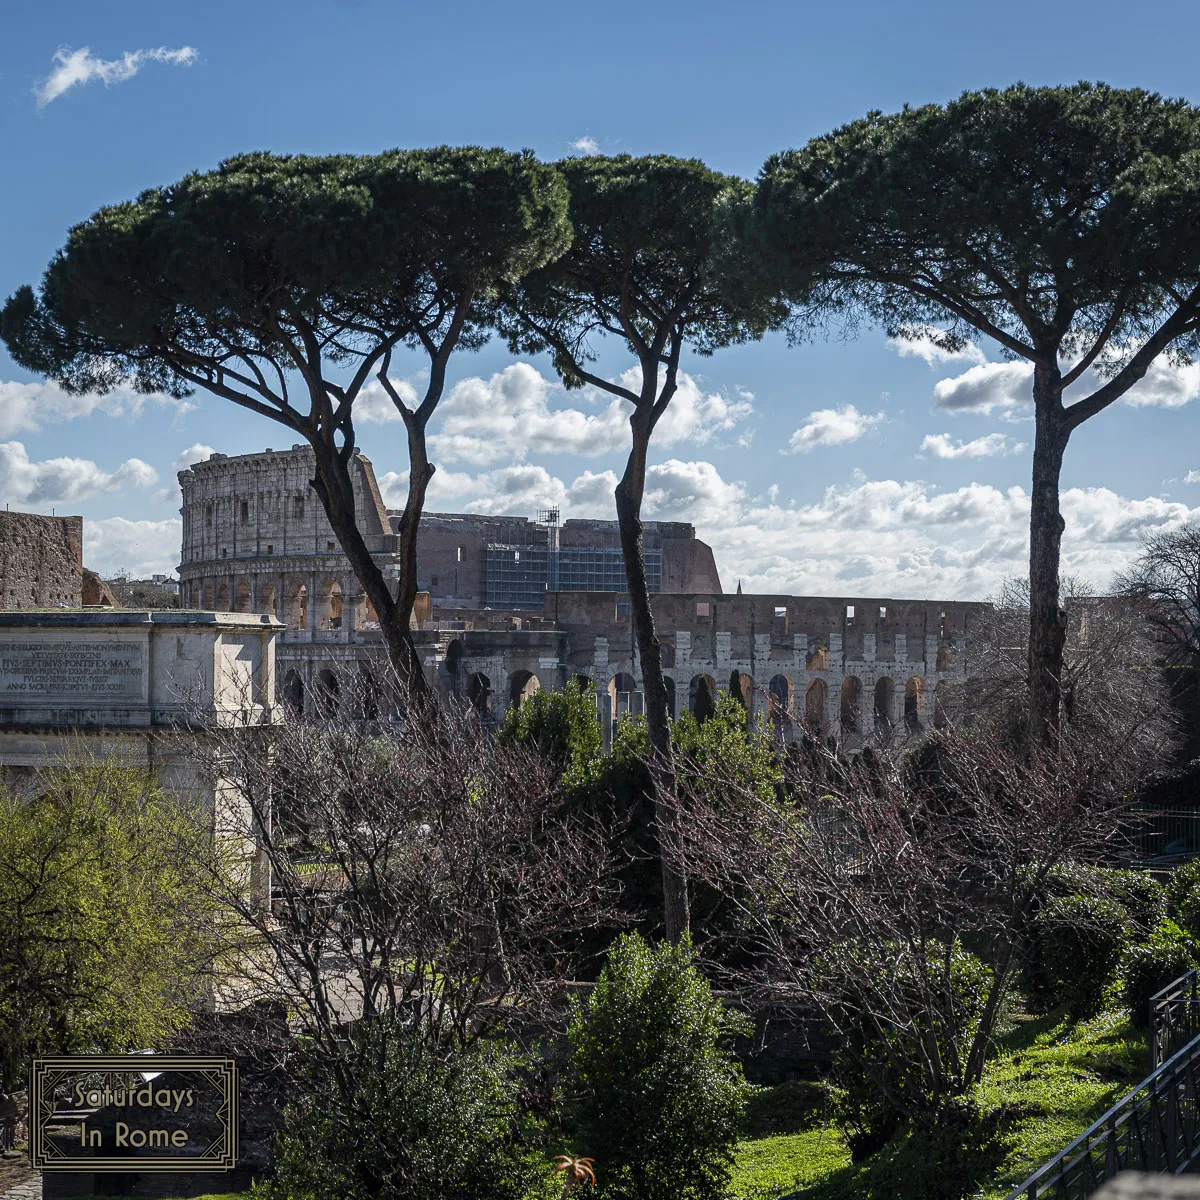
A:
[1164,584]
[1108,685]
[858,895]
[422,875]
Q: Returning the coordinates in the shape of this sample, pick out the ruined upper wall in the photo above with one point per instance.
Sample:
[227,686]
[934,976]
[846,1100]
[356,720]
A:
[263,504]
[41,561]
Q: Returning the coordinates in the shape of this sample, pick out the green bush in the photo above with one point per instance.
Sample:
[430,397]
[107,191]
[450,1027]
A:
[661,1095]
[1183,894]
[1142,897]
[905,1064]
[413,1124]
[564,726]
[1076,949]
[1150,966]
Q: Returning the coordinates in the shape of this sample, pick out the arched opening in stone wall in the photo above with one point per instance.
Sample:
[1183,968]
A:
[912,703]
[814,706]
[293,693]
[206,596]
[297,614]
[702,697]
[241,597]
[818,660]
[851,703]
[451,667]
[223,597]
[780,692]
[329,614]
[268,598]
[479,693]
[669,683]
[741,688]
[667,652]
[369,691]
[622,696]
[522,685]
[327,690]
[884,690]
[945,658]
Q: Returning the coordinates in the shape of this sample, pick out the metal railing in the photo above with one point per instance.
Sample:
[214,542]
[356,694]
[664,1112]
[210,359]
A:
[1155,1128]
[1162,836]
[1174,1017]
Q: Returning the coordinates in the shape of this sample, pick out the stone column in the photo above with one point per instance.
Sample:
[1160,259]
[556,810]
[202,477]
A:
[312,605]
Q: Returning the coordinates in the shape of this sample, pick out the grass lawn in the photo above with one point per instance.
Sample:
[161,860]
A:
[1048,1080]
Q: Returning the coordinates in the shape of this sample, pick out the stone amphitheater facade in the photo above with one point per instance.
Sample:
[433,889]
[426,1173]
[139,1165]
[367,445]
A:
[255,539]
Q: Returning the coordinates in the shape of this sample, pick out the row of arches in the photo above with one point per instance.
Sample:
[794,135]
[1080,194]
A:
[287,600]
[623,697]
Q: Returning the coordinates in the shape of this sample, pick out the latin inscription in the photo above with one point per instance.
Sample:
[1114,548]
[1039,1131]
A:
[102,669]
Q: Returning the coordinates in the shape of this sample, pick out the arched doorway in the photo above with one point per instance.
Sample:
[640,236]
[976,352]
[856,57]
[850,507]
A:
[241,597]
[702,697]
[913,690]
[741,688]
[815,699]
[670,686]
[327,689]
[206,596]
[223,598]
[451,667]
[780,692]
[622,696]
[884,691]
[293,694]
[522,685]
[297,614]
[479,694]
[851,703]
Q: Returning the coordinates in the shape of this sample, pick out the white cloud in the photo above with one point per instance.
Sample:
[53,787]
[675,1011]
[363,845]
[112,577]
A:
[1009,386]
[1191,477]
[981,388]
[76,67]
[924,344]
[27,407]
[942,445]
[518,411]
[374,406]
[64,480]
[587,146]
[142,548]
[832,427]
[196,452]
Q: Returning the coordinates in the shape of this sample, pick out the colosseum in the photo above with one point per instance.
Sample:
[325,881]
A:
[509,605]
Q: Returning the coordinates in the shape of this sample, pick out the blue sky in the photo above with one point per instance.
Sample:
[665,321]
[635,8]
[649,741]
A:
[839,467]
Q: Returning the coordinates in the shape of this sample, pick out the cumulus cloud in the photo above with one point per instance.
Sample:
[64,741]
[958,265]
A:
[832,427]
[1008,386]
[926,344]
[942,445]
[196,452]
[27,407]
[518,411]
[374,406]
[64,480]
[73,68]
[587,146]
[142,548]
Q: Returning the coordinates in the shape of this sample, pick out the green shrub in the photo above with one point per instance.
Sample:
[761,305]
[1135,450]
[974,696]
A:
[1183,888]
[564,726]
[1138,893]
[1076,949]
[882,1071]
[661,1095]
[413,1125]
[1150,966]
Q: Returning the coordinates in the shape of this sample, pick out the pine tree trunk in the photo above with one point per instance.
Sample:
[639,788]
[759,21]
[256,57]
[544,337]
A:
[629,494]
[336,492]
[1047,620]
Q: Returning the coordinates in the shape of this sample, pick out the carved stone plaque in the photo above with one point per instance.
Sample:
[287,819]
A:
[105,671]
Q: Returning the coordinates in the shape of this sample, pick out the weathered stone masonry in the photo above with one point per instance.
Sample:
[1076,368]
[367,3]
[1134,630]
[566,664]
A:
[256,540]
[41,561]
